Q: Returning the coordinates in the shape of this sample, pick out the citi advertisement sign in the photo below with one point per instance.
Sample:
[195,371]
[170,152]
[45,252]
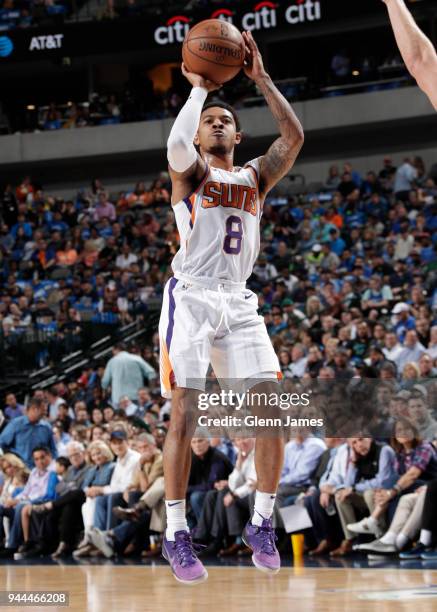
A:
[173,32]
[265,15]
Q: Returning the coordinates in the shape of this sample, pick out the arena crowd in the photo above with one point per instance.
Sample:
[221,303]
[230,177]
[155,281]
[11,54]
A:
[347,285]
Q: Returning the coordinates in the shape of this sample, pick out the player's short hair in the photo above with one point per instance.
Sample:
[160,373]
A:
[228,107]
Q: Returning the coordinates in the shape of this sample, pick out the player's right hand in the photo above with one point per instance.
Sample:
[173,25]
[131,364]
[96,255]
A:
[198,81]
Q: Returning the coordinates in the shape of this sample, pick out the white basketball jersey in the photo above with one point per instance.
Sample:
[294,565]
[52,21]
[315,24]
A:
[218,225]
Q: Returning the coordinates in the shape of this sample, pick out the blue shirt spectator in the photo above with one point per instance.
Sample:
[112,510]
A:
[23,434]
[301,460]
[385,474]
[13,409]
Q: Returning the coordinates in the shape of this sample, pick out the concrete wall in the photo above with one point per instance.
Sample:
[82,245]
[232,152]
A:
[312,171]
[318,171]
[339,112]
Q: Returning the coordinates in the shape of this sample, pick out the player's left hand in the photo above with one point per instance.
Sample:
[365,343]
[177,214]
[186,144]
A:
[253,62]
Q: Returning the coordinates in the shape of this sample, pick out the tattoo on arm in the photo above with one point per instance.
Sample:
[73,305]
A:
[283,152]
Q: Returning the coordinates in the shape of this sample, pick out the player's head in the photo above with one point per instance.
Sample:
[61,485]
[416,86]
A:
[219,128]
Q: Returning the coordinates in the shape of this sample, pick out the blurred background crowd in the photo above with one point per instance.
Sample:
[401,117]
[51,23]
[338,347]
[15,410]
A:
[347,285]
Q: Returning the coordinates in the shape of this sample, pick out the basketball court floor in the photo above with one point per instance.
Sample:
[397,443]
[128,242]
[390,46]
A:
[321,586]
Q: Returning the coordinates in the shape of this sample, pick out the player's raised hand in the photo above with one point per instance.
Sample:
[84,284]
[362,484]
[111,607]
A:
[253,62]
[197,80]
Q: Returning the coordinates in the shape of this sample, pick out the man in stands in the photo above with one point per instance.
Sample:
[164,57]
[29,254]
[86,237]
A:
[23,434]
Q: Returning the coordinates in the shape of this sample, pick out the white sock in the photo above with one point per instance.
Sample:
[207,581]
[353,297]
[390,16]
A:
[389,538]
[401,541]
[425,537]
[264,503]
[176,519]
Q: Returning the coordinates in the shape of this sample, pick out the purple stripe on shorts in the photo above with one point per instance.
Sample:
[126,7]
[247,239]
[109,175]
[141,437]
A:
[171,309]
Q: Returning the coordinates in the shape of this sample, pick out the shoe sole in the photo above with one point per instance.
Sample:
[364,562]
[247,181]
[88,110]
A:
[261,568]
[202,578]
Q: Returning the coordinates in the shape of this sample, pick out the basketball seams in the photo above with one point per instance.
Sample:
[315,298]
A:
[205,59]
[232,42]
[214,50]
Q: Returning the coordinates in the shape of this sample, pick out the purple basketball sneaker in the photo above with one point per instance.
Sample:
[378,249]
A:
[185,566]
[262,542]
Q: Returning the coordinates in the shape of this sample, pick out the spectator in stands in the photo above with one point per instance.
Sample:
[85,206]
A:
[301,458]
[412,350]
[425,548]
[416,465]
[104,208]
[15,474]
[392,348]
[111,494]
[84,499]
[227,506]
[145,496]
[319,498]
[420,414]
[13,409]
[340,66]
[432,346]
[144,402]
[341,364]
[298,361]
[405,178]
[60,520]
[127,406]
[371,467]
[23,434]
[208,466]
[54,401]
[40,487]
[126,258]
[333,180]
[125,373]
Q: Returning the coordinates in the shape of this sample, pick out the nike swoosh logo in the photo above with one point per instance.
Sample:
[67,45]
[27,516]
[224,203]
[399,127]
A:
[272,496]
[175,504]
[247,297]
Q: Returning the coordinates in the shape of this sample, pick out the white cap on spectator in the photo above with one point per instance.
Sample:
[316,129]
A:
[401,307]
[421,389]
[317,248]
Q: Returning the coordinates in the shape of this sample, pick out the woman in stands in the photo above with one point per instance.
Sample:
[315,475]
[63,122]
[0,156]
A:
[416,464]
[15,474]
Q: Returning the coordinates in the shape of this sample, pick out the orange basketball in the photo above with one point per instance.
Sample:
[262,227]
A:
[214,49]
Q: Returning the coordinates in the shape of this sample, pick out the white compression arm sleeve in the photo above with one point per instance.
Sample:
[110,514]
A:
[181,153]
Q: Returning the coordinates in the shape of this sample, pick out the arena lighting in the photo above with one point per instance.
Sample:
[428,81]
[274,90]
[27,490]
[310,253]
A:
[355,73]
[30,107]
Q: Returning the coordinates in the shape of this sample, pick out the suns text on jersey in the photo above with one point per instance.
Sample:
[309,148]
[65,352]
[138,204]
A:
[230,195]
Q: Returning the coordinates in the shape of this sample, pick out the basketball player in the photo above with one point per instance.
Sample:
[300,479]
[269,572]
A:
[208,316]
[417,50]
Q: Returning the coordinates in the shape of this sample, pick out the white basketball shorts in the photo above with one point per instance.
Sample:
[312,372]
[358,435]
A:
[212,322]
